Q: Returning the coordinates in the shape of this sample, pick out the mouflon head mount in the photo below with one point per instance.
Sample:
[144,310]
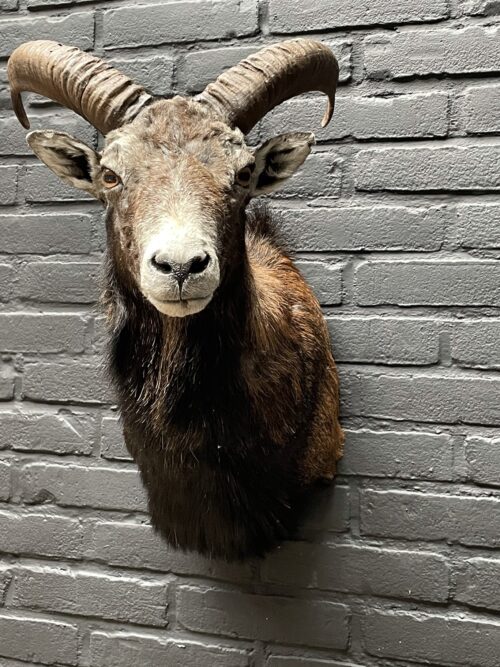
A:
[219,353]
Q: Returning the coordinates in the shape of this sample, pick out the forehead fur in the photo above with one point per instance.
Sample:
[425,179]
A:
[175,127]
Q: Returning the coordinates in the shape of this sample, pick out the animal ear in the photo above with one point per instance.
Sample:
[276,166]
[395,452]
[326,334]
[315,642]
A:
[279,158]
[70,159]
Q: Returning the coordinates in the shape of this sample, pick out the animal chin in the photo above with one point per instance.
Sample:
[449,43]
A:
[181,307]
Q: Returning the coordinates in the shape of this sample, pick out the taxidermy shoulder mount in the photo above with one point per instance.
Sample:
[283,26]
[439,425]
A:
[220,356]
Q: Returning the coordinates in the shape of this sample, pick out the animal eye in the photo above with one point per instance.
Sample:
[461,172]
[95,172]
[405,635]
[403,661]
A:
[244,175]
[110,179]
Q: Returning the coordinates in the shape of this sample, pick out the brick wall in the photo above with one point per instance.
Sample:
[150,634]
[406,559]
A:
[395,219]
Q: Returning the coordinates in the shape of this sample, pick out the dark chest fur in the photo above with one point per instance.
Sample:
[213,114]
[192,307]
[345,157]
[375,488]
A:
[216,481]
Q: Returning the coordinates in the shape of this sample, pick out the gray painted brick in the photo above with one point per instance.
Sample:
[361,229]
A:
[468,520]
[155,73]
[74,29]
[112,442]
[5,579]
[480,7]
[468,168]
[477,225]
[288,661]
[483,460]
[60,281]
[23,332]
[480,109]
[423,52]
[5,101]
[320,176]
[359,570]
[9,5]
[131,650]
[44,4]
[6,282]
[300,15]
[398,117]
[126,544]
[46,233]
[29,638]
[62,433]
[7,378]
[428,283]
[401,454]
[8,191]
[476,344]
[121,598]
[324,279]
[478,583]
[80,486]
[196,69]
[185,21]
[13,135]
[41,535]
[357,228]
[342,48]
[384,340]
[43,186]
[66,383]
[5,469]
[99,335]
[448,397]
[270,619]
[329,512]
[432,638]
[17,663]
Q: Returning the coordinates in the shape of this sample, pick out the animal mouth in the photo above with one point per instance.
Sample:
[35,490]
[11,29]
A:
[187,300]
[180,307]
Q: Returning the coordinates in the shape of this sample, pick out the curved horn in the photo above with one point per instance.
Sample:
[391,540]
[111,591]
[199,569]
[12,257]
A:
[246,92]
[77,80]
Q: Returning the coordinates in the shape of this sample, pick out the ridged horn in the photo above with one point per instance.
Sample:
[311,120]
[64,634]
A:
[246,92]
[105,97]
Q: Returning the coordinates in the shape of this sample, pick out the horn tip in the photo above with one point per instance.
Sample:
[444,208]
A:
[328,114]
[17,105]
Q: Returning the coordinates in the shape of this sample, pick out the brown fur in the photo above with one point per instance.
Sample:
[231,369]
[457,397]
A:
[230,413]
[228,437]
[286,330]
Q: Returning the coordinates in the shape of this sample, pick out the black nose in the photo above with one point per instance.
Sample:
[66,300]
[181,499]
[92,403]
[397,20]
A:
[162,262]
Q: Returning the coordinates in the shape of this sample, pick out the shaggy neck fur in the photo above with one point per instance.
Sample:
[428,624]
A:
[172,371]
[216,481]
[230,414]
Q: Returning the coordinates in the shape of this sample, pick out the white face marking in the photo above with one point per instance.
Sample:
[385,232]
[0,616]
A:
[183,239]
[178,243]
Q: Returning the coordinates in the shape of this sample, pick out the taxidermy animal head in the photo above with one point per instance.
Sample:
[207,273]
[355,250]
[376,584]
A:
[227,389]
